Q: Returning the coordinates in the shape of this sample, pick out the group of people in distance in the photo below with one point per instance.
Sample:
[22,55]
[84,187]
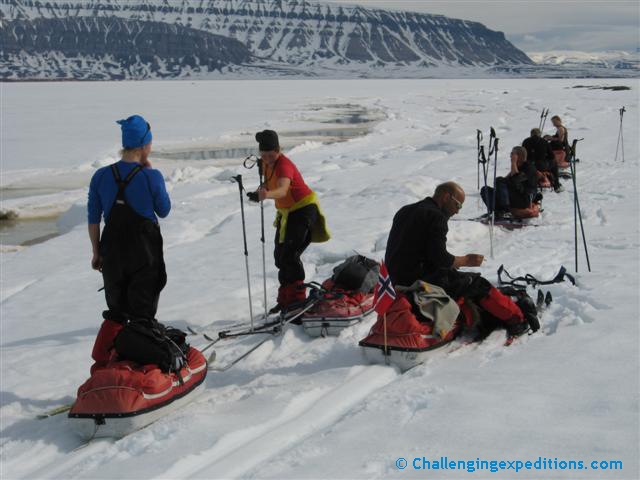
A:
[130,195]
[534,166]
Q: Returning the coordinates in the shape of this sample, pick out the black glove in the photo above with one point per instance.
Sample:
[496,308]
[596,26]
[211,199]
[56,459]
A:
[253,197]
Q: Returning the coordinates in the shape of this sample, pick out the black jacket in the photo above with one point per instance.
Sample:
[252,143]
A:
[539,152]
[417,244]
[522,186]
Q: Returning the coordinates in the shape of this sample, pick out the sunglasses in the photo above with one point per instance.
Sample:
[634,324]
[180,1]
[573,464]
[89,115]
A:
[458,202]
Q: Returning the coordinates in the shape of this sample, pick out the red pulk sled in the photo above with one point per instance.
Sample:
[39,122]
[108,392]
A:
[336,310]
[400,338]
[346,299]
[122,396]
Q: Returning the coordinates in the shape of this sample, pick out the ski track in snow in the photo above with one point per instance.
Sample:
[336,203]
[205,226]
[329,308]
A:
[313,408]
[305,415]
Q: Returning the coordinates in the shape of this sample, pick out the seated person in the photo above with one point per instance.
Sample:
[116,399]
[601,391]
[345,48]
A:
[540,154]
[559,142]
[417,250]
[517,192]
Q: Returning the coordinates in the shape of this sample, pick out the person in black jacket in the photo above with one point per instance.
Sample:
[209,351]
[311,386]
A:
[540,154]
[518,189]
[417,250]
[522,180]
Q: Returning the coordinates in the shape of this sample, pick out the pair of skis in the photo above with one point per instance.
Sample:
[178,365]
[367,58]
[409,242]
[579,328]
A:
[542,302]
[509,222]
[270,328]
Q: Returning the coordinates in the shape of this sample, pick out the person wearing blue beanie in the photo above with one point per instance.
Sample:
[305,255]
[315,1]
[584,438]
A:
[136,132]
[129,196]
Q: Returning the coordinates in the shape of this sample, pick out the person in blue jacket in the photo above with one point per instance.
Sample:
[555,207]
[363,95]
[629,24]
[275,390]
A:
[129,195]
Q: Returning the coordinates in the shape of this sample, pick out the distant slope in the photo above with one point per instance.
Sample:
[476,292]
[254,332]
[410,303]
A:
[616,60]
[572,64]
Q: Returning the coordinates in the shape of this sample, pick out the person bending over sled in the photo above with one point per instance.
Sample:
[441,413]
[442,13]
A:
[299,219]
[517,192]
[417,250]
[129,194]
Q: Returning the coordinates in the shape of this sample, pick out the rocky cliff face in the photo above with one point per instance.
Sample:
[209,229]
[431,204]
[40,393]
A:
[178,37]
[112,48]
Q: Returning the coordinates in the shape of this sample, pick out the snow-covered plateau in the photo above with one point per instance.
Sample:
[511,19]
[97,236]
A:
[313,408]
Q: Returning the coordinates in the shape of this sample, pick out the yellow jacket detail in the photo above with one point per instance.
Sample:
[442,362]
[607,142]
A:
[319,231]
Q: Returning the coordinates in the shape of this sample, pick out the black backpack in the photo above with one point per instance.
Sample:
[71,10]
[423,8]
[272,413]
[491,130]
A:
[356,273]
[150,342]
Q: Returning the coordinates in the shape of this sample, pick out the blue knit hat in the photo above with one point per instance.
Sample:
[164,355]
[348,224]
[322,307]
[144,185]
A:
[136,132]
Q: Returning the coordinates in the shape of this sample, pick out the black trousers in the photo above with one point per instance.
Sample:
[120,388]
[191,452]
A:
[458,284]
[552,167]
[297,238]
[134,274]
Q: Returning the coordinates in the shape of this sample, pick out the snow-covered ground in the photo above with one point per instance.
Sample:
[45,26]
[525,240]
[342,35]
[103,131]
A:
[312,408]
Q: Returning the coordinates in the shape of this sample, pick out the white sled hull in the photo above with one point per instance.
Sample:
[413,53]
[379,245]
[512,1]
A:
[117,427]
[328,327]
[402,360]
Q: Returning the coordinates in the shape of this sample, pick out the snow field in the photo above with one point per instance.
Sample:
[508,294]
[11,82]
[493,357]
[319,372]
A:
[312,408]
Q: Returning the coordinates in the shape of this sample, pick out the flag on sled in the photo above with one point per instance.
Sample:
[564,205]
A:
[384,294]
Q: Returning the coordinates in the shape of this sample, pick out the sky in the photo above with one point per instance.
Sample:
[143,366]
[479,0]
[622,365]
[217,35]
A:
[540,25]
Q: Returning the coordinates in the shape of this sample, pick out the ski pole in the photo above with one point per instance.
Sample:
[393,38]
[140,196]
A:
[543,118]
[495,172]
[479,138]
[250,162]
[238,178]
[575,216]
[484,177]
[620,136]
[540,123]
[264,261]
[577,210]
[622,110]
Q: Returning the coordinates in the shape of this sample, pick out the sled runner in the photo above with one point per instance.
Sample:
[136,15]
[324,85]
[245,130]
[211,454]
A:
[123,396]
[403,358]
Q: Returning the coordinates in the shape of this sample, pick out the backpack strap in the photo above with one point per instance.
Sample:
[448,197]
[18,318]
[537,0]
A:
[528,279]
[122,184]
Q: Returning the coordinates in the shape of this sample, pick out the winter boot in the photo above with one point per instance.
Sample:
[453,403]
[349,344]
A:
[504,309]
[517,329]
[298,292]
[284,298]
[103,346]
[528,307]
[298,296]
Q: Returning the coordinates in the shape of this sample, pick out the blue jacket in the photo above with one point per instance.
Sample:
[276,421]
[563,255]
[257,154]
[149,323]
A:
[146,193]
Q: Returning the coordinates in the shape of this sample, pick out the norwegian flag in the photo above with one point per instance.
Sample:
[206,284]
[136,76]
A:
[384,294]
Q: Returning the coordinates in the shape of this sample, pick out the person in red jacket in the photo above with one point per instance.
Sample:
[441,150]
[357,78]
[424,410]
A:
[299,219]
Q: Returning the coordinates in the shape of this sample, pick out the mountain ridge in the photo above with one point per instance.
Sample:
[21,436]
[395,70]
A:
[295,37]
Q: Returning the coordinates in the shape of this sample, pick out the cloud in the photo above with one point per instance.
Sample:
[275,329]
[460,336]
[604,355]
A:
[578,37]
